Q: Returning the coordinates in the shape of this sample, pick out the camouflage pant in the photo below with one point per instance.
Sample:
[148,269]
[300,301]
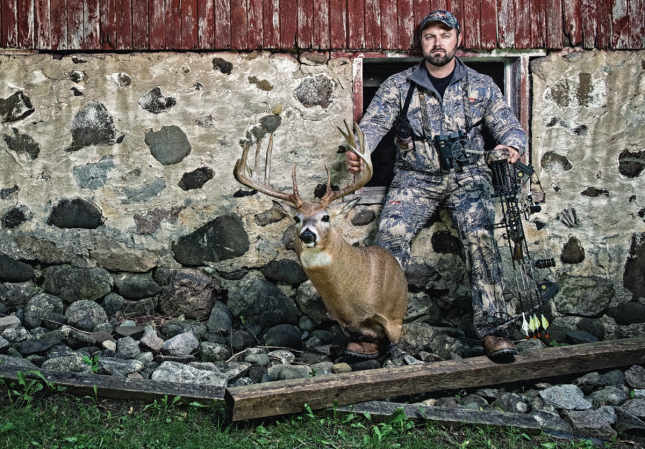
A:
[412,200]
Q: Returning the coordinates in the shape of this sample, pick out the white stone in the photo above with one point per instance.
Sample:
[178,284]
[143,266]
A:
[9,322]
[109,345]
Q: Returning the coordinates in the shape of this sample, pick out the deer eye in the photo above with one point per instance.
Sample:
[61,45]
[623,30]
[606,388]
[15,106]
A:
[325,218]
[296,219]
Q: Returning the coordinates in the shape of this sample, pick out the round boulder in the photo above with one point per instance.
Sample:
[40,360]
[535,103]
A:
[76,284]
[284,335]
[85,315]
[191,293]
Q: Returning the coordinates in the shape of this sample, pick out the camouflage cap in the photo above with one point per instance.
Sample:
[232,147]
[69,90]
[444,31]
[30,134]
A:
[440,16]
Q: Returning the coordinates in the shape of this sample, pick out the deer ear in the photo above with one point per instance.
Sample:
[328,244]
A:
[287,208]
[342,208]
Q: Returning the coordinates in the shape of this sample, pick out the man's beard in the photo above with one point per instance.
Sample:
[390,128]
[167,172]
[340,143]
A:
[440,60]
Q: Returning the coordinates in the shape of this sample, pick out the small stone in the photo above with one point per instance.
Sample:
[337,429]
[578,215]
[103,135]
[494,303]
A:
[37,360]
[77,339]
[169,145]
[589,423]
[34,346]
[282,357]
[129,323]
[312,358]
[16,335]
[151,342]
[9,322]
[530,345]
[72,362]
[136,286]
[572,252]
[17,362]
[568,397]
[285,270]
[580,337]
[109,345]
[607,396]
[117,367]
[220,319]
[14,271]
[207,366]
[409,360]
[79,285]
[257,359]
[365,365]
[415,337]
[145,357]
[273,215]
[591,382]
[363,218]
[222,65]
[214,352]
[615,377]
[127,348]
[315,90]
[306,324]
[234,370]
[242,381]
[175,327]
[635,377]
[242,339]
[196,179]
[608,413]
[135,332]
[446,403]
[341,368]
[178,359]
[180,345]
[551,421]
[155,102]
[15,107]
[511,403]
[176,372]
[284,335]
[628,423]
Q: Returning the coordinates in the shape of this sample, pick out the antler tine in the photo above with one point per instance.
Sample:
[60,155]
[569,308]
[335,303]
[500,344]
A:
[296,196]
[365,175]
[241,175]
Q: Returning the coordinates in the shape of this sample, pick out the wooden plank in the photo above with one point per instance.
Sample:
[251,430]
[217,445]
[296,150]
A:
[620,24]
[288,23]
[603,32]
[357,71]
[26,22]
[637,24]
[172,11]
[457,9]
[380,411]
[59,24]
[538,23]
[278,398]
[407,25]
[157,24]
[206,25]
[506,23]
[9,23]
[74,24]
[389,25]
[305,23]
[523,24]
[222,24]
[189,26]
[271,23]
[521,90]
[108,24]
[337,24]
[140,24]
[472,25]
[239,28]
[1,27]
[421,9]
[42,25]
[255,16]
[120,388]
[321,38]
[124,25]
[356,24]
[441,4]
[91,25]
[573,20]
[488,24]
[372,24]
[554,33]
[589,23]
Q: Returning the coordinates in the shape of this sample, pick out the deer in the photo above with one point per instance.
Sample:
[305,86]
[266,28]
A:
[364,289]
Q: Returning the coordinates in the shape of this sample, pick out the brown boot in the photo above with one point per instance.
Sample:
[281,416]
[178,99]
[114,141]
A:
[496,346]
[363,349]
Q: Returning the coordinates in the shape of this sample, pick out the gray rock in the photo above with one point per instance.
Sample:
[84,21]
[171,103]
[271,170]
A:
[207,366]
[615,377]
[214,352]
[180,345]
[220,239]
[85,310]
[32,320]
[285,270]
[93,125]
[568,397]
[608,414]
[446,403]
[14,271]
[93,176]
[9,322]
[126,330]
[488,393]
[76,284]
[415,337]
[77,339]
[75,214]
[191,293]
[15,217]
[322,368]
[242,381]
[580,337]
[145,357]
[628,313]
[636,407]
[176,372]
[172,358]
[257,359]
[445,346]
[135,286]
[311,303]
[261,303]
[16,335]
[511,403]
[551,421]
[71,362]
[15,107]
[196,178]
[127,348]
[284,335]
[242,339]
[270,216]
[16,295]
[233,370]
[588,423]
[38,332]
[635,377]
[17,362]
[530,345]
[584,296]
[591,382]
[119,367]
[4,344]
[628,423]
[37,360]
[148,369]
[144,192]
[154,101]
[315,90]
[220,319]
[366,365]
[292,372]
[306,324]
[22,144]
[282,357]
[59,351]
[151,342]
[313,358]
[114,303]
[537,403]
[408,359]
[474,398]
[607,396]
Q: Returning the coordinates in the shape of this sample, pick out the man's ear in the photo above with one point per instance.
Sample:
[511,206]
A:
[458,39]
[341,208]
[287,208]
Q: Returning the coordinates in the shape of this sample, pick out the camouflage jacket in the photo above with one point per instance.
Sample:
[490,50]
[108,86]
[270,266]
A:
[486,102]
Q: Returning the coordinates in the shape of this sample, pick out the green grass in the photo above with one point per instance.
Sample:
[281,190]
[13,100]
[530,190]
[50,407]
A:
[50,418]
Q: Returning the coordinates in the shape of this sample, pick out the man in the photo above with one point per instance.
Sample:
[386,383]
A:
[440,98]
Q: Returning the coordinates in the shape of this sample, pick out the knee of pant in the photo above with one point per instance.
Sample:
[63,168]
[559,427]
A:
[480,235]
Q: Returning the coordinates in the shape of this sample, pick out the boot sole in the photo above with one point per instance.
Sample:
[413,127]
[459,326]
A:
[505,351]
[363,355]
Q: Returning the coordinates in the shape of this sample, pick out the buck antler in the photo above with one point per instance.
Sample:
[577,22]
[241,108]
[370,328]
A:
[360,150]
[254,182]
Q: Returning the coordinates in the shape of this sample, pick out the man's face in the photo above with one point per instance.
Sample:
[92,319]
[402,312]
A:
[439,43]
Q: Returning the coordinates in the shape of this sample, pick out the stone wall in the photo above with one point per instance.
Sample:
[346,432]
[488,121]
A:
[589,151]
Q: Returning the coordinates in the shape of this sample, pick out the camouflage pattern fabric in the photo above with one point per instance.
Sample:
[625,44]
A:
[412,200]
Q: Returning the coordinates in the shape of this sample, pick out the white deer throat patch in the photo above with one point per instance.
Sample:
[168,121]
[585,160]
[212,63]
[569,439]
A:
[314,258]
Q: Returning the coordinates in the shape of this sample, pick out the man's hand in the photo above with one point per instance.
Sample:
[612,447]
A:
[514,154]
[354,163]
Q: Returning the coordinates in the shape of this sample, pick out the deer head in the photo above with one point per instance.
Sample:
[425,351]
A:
[312,218]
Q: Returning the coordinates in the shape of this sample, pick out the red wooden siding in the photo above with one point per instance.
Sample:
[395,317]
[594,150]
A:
[320,24]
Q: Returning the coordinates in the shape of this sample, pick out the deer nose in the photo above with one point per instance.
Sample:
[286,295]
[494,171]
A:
[307,236]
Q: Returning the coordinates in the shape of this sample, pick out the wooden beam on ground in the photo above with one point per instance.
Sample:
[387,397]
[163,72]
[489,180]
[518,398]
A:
[380,411]
[122,388]
[278,398]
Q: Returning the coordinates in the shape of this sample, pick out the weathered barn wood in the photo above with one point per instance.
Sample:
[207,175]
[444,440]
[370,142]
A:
[91,24]
[321,24]
[305,23]
[189,28]
[42,27]
[573,20]
[172,11]
[589,12]
[406,31]
[337,24]
[389,24]
[255,32]
[271,23]
[277,398]
[554,34]
[472,25]
[123,388]
[156,24]
[380,411]
[523,24]
[140,25]
[288,23]
[636,24]
[58,16]
[74,24]
[239,34]
[26,23]
[206,25]
[108,24]
[9,23]
[488,24]
[124,25]
[506,23]
[223,23]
